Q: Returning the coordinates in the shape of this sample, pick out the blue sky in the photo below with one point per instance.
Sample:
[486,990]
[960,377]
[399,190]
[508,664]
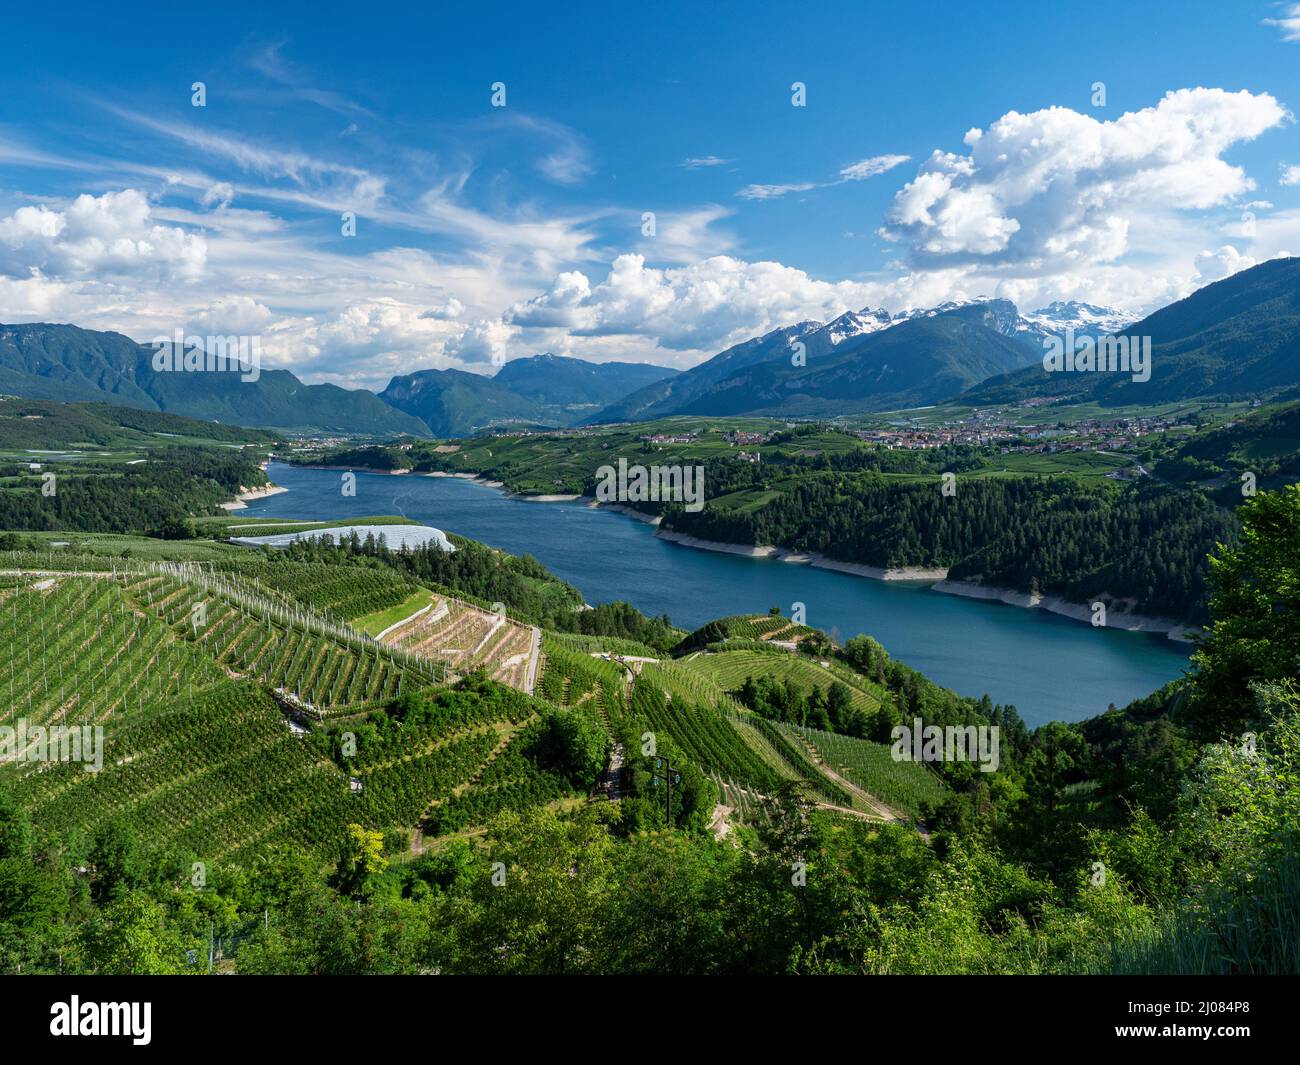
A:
[487,233]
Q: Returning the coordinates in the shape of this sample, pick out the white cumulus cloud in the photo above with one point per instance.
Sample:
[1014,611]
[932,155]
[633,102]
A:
[1056,187]
[1220,263]
[95,236]
[483,342]
[449,308]
[706,305]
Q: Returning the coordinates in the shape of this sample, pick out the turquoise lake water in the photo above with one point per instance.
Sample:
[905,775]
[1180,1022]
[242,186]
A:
[1049,667]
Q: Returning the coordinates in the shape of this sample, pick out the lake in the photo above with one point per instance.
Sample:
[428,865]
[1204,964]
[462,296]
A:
[1048,667]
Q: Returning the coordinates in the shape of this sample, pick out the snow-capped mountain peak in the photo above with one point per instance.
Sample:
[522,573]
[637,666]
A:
[855,324]
[993,312]
[1081,316]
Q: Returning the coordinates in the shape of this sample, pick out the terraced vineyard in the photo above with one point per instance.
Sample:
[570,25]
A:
[705,734]
[745,753]
[341,592]
[510,780]
[688,684]
[760,628]
[467,754]
[78,650]
[185,666]
[574,641]
[729,670]
[221,776]
[466,638]
[572,678]
[762,746]
[799,761]
[906,786]
[319,667]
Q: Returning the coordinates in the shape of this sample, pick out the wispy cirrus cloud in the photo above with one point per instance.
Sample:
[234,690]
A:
[271,64]
[859,171]
[771,192]
[331,181]
[565,158]
[869,168]
[1289,23]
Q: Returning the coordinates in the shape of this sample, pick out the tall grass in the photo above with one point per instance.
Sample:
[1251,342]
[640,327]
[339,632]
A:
[1245,927]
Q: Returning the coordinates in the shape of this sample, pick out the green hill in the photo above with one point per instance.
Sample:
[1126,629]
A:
[920,361]
[69,364]
[544,390]
[1264,445]
[43,425]
[1235,339]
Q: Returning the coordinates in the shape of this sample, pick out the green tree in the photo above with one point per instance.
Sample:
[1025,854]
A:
[363,860]
[1255,602]
[131,936]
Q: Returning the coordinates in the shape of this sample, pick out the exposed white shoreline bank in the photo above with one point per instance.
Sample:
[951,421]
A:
[1115,617]
[354,469]
[631,512]
[240,501]
[818,561]
[474,478]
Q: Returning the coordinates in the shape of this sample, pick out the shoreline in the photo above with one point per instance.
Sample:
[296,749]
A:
[1125,621]
[240,502]
[622,508]
[353,469]
[473,478]
[810,558]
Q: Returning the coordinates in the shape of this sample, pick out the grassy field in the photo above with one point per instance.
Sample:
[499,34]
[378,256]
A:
[374,624]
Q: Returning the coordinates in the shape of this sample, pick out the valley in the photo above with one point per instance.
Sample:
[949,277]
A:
[576,491]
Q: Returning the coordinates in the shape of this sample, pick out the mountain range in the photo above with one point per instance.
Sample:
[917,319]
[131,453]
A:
[1235,338]
[542,391]
[1238,338]
[68,364]
[866,360]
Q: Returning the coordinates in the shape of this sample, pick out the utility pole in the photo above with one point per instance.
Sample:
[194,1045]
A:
[670,777]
